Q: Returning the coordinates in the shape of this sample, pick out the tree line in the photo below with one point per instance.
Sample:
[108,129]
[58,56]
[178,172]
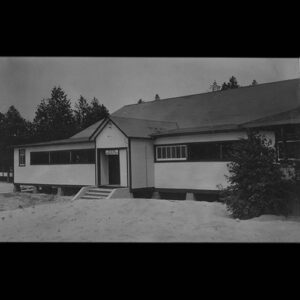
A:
[54,119]
[231,84]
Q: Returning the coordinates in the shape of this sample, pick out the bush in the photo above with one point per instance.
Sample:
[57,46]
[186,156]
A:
[257,185]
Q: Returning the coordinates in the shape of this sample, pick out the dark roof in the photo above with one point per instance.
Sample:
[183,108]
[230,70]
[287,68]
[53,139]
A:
[87,132]
[203,129]
[288,117]
[132,127]
[140,128]
[265,104]
[58,142]
[221,108]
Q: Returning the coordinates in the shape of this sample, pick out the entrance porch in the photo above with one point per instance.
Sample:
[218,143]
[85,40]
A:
[112,167]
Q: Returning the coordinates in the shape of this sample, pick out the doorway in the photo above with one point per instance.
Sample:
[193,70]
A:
[114,169]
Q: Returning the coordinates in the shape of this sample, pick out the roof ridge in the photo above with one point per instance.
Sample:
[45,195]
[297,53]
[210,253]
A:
[144,119]
[229,90]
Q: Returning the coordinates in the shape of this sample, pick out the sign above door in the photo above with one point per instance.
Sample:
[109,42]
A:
[112,152]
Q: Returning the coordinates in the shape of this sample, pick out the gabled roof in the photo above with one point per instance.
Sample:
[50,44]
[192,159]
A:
[288,117]
[221,108]
[87,132]
[265,104]
[140,128]
[203,129]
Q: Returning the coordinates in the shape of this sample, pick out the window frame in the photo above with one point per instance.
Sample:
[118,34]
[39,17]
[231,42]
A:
[39,164]
[187,149]
[83,163]
[70,157]
[165,151]
[285,154]
[22,156]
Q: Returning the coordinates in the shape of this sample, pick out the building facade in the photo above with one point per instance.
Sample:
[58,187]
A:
[170,145]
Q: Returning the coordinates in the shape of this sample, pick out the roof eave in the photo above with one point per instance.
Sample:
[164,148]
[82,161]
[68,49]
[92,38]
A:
[52,144]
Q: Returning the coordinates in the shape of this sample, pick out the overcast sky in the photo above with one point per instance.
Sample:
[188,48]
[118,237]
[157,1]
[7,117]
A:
[24,82]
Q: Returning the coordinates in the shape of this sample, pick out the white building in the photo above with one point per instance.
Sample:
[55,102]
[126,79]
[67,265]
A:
[169,145]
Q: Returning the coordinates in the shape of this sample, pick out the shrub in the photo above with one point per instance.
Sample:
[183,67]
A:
[256,183]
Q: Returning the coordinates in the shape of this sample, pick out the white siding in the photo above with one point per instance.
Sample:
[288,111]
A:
[103,169]
[196,175]
[111,137]
[123,167]
[142,163]
[193,175]
[190,175]
[71,174]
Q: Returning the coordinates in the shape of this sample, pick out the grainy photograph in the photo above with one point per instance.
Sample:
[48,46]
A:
[149,149]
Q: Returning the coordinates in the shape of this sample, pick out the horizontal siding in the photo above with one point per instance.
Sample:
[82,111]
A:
[57,174]
[111,137]
[70,174]
[190,175]
[142,164]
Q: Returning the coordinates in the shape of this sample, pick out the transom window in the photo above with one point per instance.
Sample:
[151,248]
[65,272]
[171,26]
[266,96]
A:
[22,158]
[174,152]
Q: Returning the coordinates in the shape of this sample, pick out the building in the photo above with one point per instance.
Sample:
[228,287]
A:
[167,145]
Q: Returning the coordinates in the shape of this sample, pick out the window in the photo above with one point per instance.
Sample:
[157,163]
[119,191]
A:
[86,156]
[280,150]
[60,157]
[39,158]
[173,152]
[64,157]
[22,158]
[226,148]
[204,151]
[290,151]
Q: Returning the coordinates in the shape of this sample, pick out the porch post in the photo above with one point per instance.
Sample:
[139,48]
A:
[17,187]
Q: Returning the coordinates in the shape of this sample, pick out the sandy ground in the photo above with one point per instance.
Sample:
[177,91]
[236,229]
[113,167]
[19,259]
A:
[11,201]
[140,220]
[6,187]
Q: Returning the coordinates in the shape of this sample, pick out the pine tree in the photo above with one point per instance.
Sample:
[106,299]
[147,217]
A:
[82,112]
[54,117]
[215,87]
[232,84]
[256,184]
[87,114]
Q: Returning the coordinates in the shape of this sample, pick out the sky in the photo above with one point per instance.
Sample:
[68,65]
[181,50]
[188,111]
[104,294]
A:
[118,81]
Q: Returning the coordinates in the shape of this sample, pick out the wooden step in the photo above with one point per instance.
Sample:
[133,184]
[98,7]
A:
[100,190]
[97,194]
[91,197]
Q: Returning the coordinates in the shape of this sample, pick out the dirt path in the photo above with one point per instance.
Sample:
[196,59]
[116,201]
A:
[141,220]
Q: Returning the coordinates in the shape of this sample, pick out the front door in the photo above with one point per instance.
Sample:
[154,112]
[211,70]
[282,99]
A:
[113,169]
